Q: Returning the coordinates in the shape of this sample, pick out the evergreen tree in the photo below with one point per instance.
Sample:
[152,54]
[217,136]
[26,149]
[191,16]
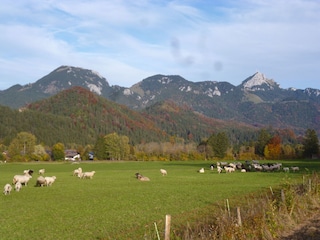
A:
[99,148]
[310,143]
[263,139]
[219,144]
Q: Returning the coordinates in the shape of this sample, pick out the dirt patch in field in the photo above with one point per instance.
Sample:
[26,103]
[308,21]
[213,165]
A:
[308,230]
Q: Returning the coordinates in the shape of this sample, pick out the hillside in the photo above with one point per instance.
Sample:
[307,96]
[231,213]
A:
[258,101]
[91,115]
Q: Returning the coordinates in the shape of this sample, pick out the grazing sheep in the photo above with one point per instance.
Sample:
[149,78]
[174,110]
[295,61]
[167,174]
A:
[163,172]
[219,169]
[41,181]
[201,170]
[41,171]
[88,174]
[229,169]
[18,186]
[286,169]
[7,189]
[23,179]
[49,180]
[294,169]
[77,171]
[211,167]
[243,170]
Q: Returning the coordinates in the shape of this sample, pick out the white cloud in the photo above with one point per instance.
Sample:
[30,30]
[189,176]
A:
[127,41]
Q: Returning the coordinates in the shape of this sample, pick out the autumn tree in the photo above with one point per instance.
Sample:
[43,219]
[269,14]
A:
[58,151]
[21,148]
[116,147]
[40,153]
[310,143]
[273,148]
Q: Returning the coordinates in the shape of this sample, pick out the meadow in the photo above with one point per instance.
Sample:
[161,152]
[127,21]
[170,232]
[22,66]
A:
[115,205]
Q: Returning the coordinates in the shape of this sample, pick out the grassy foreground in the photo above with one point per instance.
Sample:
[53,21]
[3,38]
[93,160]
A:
[115,205]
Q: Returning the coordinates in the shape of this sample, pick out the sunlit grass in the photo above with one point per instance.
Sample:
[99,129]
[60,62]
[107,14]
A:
[114,204]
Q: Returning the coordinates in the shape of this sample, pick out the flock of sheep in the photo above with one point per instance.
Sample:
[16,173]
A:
[19,180]
[248,166]
[22,180]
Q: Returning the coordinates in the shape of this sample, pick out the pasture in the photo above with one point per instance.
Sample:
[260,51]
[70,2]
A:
[115,205]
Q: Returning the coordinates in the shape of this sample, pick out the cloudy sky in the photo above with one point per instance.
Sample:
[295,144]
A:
[127,41]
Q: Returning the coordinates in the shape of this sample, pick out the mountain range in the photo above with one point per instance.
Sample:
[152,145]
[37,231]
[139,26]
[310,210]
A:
[258,101]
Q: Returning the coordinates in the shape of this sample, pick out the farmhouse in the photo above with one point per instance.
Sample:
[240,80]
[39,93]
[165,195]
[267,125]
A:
[72,155]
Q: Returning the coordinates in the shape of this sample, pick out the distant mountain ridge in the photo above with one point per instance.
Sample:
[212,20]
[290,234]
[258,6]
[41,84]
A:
[258,101]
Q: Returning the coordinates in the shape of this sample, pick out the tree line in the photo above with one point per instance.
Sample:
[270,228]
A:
[269,144]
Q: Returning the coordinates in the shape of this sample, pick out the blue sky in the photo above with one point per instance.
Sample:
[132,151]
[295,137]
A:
[127,41]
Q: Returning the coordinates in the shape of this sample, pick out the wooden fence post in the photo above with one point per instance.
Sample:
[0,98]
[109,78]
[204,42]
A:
[239,217]
[167,230]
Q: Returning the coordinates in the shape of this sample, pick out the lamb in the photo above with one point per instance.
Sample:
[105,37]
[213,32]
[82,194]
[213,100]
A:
[41,171]
[88,174]
[41,181]
[201,170]
[77,171]
[163,172]
[294,169]
[18,186]
[23,179]
[286,169]
[219,169]
[7,189]
[49,180]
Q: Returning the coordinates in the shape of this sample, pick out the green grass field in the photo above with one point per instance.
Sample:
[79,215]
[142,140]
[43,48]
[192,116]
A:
[114,204]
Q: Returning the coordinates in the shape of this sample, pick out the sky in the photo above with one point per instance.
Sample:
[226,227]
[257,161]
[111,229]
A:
[128,41]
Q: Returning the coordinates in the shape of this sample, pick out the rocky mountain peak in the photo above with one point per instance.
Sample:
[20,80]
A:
[259,81]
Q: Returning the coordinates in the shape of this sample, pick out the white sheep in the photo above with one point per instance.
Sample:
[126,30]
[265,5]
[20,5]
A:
[143,178]
[229,169]
[88,174]
[41,181]
[219,169]
[17,186]
[28,171]
[41,171]
[23,179]
[294,169]
[163,172]
[49,180]
[7,189]
[286,169]
[243,170]
[77,171]
[201,170]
